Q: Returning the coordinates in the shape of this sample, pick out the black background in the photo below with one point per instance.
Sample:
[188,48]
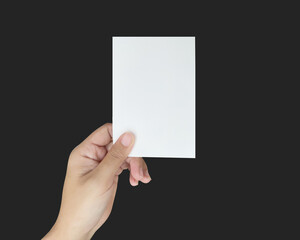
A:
[60,84]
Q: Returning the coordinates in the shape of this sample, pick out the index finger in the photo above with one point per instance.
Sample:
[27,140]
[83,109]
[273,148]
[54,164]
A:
[102,136]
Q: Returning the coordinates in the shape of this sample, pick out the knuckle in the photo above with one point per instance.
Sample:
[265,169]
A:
[106,124]
[74,152]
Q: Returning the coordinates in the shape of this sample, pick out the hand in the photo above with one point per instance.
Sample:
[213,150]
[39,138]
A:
[91,183]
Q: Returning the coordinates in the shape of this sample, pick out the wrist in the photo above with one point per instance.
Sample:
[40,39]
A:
[59,232]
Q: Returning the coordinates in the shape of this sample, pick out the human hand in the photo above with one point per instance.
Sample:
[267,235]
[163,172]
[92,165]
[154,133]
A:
[91,183]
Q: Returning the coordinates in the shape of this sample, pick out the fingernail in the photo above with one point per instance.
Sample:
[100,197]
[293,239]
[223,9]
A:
[148,175]
[126,139]
[141,173]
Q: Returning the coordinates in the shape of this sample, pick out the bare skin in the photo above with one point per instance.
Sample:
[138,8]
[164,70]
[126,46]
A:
[91,183]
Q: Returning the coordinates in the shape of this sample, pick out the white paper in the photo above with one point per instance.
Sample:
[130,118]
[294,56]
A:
[154,94]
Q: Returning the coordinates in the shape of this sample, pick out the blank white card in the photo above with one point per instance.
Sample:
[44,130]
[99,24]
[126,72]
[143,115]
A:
[154,94]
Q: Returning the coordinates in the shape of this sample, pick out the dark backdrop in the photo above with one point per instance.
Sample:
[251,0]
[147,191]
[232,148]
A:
[60,86]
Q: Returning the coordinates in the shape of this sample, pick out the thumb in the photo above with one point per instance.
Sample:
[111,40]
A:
[113,160]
